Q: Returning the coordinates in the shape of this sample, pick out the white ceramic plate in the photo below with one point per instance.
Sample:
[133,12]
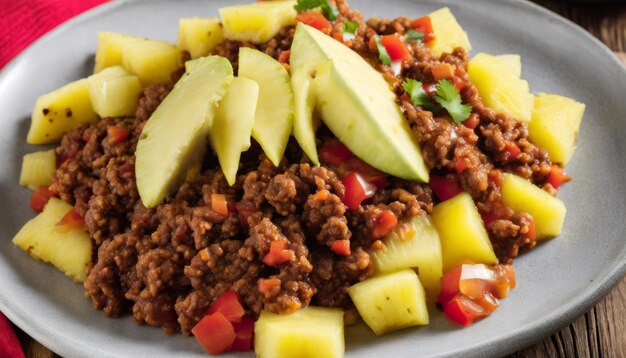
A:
[557,281]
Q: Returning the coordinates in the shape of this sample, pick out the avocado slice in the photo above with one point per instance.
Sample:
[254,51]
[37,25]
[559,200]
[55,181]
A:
[273,120]
[233,123]
[357,105]
[174,139]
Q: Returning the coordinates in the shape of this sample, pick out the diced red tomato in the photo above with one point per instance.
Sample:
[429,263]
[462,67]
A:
[511,151]
[268,286]
[219,204]
[335,153]
[72,220]
[425,26]
[244,331]
[385,223]
[314,19]
[284,56]
[40,198]
[462,310]
[357,190]
[396,48]
[445,186]
[229,304]
[279,253]
[472,122]
[117,134]
[449,285]
[557,178]
[341,247]
[443,71]
[368,172]
[458,83]
[215,333]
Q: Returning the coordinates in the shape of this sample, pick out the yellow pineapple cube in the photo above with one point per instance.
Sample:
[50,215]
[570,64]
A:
[114,92]
[391,301]
[38,168]
[60,111]
[555,125]
[257,22]
[313,332]
[109,50]
[151,60]
[448,33]
[199,36]
[68,251]
[549,212]
[463,235]
[499,88]
[414,244]
[513,62]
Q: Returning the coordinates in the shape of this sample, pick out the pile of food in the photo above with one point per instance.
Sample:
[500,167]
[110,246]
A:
[387,171]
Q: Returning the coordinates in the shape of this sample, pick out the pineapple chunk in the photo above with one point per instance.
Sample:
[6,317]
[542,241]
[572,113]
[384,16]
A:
[60,111]
[257,22]
[199,35]
[499,88]
[549,212]
[68,251]
[555,125]
[463,235]
[513,62]
[38,168]
[448,33]
[391,301]
[151,60]
[233,123]
[114,92]
[314,332]
[109,50]
[273,120]
[415,245]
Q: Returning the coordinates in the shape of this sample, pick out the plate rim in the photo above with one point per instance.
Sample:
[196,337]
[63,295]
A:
[515,340]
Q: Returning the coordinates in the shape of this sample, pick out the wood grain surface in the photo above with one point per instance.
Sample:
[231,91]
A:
[601,332]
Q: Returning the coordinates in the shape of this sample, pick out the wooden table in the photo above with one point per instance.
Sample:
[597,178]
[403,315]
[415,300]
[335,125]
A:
[601,332]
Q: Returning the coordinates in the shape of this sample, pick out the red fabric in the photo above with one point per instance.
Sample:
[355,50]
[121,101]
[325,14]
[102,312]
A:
[9,344]
[23,21]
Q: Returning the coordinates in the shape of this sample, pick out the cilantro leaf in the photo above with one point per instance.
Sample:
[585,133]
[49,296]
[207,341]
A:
[329,10]
[350,27]
[415,36]
[382,52]
[449,98]
[418,96]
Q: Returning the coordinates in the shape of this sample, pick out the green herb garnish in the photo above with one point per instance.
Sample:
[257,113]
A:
[382,52]
[419,98]
[350,27]
[449,98]
[329,10]
[415,36]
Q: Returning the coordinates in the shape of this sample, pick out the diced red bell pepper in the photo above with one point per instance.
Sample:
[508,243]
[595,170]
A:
[341,247]
[314,19]
[443,71]
[449,285]
[117,134]
[462,310]
[557,178]
[472,122]
[244,331]
[458,83]
[335,153]
[279,253]
[268,286]
[385,223]
[511,151]
[396,48]
[368,172]
[219,204]
[284,56]
[215,333]
[425,26]
[444,186]
[229,304]
[357,190]
[72,220]
[40,198]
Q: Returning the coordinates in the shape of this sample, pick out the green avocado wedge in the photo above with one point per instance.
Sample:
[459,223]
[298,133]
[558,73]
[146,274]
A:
[357,105]
[174,139]
[233,123]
